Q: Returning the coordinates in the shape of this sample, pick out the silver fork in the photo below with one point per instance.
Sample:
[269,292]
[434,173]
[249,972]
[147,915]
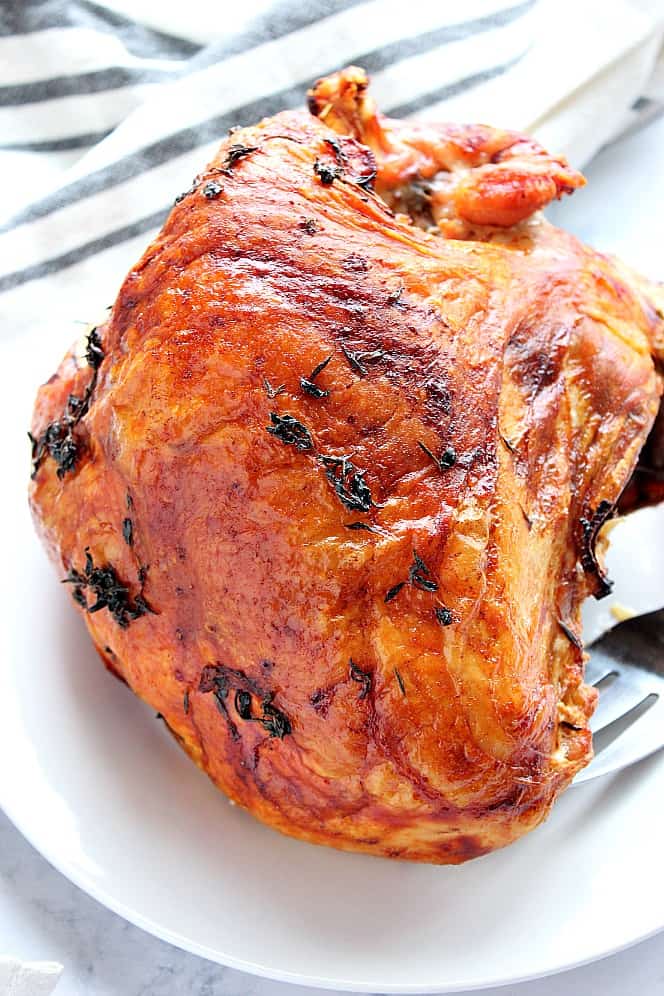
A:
[627,666]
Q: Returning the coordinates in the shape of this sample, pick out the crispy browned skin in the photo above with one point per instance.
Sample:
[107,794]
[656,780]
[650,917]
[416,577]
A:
[329,711]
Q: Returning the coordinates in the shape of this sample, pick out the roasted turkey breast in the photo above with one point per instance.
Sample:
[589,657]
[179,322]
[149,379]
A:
[328,485]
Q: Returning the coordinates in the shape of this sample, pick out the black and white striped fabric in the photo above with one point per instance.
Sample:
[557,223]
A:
[108,108]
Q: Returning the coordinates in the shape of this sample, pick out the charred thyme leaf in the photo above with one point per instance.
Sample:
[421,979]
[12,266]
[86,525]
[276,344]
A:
[56,441]
[308,383]
[590,528]
[214,679]
[326,172]
[219,679]
[185,702]
[444,615]
[354,362]
[307,225]
[394,591]
[94,353]
[366,526]
[223,709]
[318,369]
[362,677]
[394,298]
[274,720]
[212,189]
[357,360]
[272,392]
[321,700]
[79,597]
[128,531]
[290,431]
[397,675]
[366,181]
[243,704]
[143,607]
[237,152]
[185,193]
[109,591]
[419,575]
[348,483]
[446,460]
[312,389]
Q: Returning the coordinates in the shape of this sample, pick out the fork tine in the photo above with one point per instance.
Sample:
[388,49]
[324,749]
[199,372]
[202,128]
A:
[642,738]
[598,668]
[616,699]
[607,734]
[627,665]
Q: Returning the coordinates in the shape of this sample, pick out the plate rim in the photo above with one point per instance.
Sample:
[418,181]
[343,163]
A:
[85,883]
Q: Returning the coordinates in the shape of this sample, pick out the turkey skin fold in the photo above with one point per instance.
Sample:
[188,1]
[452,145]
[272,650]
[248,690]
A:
[329,484]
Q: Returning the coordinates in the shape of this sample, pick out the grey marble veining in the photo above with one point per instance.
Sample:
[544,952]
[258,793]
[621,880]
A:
[44,916]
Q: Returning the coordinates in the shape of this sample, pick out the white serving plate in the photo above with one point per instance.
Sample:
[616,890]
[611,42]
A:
[98,786]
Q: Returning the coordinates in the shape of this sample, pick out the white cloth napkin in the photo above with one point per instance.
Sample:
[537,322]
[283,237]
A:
[105,122]
[28,978]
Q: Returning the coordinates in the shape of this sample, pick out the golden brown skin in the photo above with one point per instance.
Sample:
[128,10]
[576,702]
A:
[439,722]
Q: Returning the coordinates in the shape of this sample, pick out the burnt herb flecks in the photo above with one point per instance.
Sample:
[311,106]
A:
[214,679]
[128,531]
[290,431]
[108,590]
[58,440]
[394,298]
[243,704]
[363,678]
[94,354]
[348,483]
[274,721]
[446,460]
[444,615]
[394,591]
[357,360]
[364,180]
[237,152]
[327,173]
[220,680]
[420,575]
[185,193]
[308,384]
[212,189]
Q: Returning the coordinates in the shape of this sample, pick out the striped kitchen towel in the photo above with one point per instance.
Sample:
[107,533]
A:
[107,109]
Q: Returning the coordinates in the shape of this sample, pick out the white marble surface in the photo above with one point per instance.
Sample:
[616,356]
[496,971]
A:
[43,916]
